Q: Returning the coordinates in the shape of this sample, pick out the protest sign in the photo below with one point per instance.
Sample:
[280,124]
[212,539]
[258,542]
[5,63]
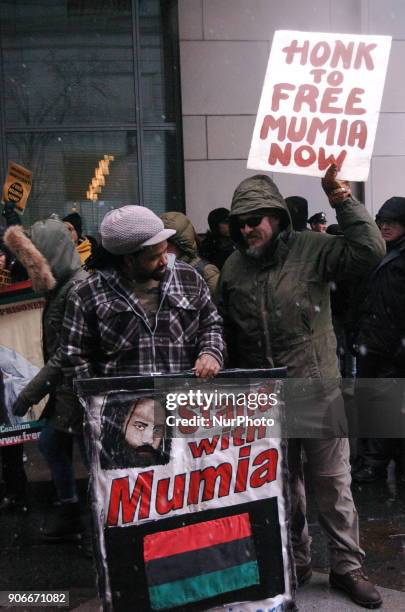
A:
[320,104]
[17,186]
[188,519]
[20,358]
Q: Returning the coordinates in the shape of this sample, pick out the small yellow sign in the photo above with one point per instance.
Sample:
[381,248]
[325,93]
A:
[18,185]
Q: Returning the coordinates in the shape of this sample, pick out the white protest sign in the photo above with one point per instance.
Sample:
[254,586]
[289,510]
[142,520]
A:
[320,104]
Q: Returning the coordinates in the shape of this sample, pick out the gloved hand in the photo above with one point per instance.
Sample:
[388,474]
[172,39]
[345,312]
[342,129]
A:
[20,407]
[10,213]
[337,190]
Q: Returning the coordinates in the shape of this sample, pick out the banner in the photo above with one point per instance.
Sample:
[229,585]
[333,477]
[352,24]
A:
[20,358]
[18,185]
[189,521]
[320,104]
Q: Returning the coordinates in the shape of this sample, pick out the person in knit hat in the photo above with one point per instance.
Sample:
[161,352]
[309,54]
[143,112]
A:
[184,245]
[140,311]
[217,244]
[84,244]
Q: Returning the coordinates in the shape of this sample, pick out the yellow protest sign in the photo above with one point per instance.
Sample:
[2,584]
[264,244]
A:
[18,185]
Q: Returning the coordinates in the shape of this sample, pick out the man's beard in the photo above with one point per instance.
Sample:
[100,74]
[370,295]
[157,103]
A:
[257,252]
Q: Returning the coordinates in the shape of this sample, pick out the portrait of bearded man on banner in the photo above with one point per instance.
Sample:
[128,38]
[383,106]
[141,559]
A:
[133,432]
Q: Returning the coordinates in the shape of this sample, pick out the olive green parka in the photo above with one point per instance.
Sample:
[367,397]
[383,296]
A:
[185,240]
[276,309]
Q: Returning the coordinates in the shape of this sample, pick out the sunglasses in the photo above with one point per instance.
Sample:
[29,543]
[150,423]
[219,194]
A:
[252,221]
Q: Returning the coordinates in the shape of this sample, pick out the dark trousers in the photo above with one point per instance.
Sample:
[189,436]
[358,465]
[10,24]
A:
[379,394]
[13,470]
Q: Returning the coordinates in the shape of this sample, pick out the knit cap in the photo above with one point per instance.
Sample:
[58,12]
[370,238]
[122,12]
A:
[131,228]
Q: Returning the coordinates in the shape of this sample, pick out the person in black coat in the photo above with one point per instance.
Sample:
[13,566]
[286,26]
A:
[380,345]
[217,244]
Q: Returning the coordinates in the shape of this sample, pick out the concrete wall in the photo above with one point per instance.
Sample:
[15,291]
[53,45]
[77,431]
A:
[224,47]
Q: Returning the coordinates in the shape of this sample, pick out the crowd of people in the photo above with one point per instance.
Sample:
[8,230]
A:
[256,291]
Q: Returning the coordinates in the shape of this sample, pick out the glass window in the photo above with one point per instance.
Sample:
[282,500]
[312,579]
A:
[64,166]
[67,62]
[84,79]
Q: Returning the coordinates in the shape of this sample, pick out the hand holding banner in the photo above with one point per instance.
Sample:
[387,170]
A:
[17,186]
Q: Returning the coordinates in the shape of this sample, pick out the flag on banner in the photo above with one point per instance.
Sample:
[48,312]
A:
[200,561]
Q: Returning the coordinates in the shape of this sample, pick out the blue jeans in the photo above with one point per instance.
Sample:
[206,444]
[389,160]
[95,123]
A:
[57,449]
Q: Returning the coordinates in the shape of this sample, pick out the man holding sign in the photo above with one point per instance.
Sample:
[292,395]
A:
[274,296]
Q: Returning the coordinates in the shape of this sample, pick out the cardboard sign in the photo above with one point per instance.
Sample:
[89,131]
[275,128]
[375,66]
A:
[17,186]
[320,104]
[186,521]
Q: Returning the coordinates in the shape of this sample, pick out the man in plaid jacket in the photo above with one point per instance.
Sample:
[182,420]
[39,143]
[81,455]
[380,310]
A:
[140,311]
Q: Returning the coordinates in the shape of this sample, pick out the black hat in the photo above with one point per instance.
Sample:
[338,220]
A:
[217,216]
[393,209]
[334,230]
[76,220]
[317,218]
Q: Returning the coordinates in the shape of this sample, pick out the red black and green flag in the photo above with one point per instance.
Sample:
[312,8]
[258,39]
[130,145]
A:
[200,561]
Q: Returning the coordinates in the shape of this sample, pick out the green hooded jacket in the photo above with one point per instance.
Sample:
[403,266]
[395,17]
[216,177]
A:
[52,240]
[276,309]
[185,240]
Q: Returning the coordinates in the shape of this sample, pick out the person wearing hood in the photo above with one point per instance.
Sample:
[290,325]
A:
[298,209]
[274,297]
[184,245]
[84,244]
[53,265]
[380,346]
[217,244]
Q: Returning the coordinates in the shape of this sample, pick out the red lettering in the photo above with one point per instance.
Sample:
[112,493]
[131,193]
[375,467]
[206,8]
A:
[163,503]
[295,49]
[277,154]
[300,159]
[267,471]
[187,413]
[278,94]
[342,53]
[318,126]
[205,446]
[364,55]
[317,74]
[270,123]
[353,99]
[320,54]
[357,133]
[243,469]
[342,132]
[306,94]
[324,162]
[120,499]
[334,78]
[296,134]
[208,477]
[329,97]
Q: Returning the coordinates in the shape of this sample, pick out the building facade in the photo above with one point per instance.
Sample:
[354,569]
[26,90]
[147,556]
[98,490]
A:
[84,79]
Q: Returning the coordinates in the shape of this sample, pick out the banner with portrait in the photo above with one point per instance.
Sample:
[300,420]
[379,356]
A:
[20,359]
[189,493]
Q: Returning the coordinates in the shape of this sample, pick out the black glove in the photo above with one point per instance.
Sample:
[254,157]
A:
[20,407]
[11,215]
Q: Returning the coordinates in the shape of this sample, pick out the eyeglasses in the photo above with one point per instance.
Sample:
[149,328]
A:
[252,221]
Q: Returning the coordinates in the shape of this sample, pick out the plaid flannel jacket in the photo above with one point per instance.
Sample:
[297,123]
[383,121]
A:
[106,332]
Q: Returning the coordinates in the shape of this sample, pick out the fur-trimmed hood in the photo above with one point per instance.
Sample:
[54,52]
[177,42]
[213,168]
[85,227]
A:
[50,256]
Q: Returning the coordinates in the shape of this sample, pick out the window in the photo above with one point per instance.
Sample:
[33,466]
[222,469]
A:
[84,79]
